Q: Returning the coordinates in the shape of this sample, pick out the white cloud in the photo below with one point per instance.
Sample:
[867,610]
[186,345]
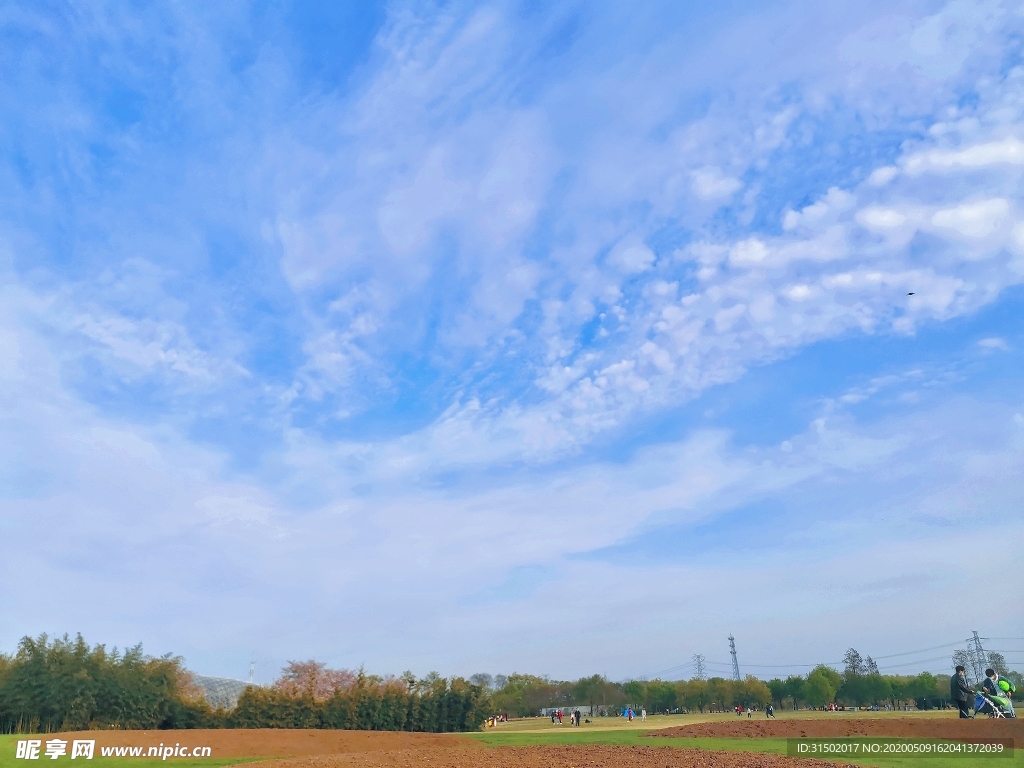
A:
[882,176]
[711,184]
[1008,151]
[978,219]
[748,252]
[631,256]
[799,292]
[994,342]
[824,209]
[881,219]
[147,346]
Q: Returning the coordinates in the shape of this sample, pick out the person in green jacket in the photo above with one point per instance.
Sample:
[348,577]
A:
[999,694]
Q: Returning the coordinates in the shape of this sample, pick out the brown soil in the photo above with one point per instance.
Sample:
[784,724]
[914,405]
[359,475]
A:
[550,757]
[272,742]
[905,727]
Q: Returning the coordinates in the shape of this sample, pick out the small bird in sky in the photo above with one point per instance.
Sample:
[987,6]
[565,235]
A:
[910,294]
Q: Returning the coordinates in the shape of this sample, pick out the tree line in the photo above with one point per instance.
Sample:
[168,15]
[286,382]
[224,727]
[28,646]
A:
[523,695]
[859,684]
[65,685]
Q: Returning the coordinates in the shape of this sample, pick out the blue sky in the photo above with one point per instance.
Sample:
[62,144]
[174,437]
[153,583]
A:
[561,338]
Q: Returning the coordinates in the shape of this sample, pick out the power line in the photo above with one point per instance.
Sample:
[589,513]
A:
[837,663]
[923,650]
[670,669]
[734,667]
[918,661]
[786,666]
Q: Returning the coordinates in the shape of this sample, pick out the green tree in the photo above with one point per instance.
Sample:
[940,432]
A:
[660,696]
[833,677]
[752,692]
[864,689]
[634,691]
[853,664]
[720,694]
[997,661]
[795,689]
[819,689]
[66,684]
[596,690]
[924,689]
[524,695]
[694,695]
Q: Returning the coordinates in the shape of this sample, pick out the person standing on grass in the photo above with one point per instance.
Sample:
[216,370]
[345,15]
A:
[643,714]
[960,692]
[769,711]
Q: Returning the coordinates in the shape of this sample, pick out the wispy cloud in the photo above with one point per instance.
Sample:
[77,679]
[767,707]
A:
[484,313]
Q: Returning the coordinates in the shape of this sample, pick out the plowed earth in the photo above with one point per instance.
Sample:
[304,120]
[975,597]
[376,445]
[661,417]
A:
[382,749]
[902,727]
[589,756]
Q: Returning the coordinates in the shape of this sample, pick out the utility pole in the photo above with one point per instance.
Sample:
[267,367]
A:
[698,667]
[735,664]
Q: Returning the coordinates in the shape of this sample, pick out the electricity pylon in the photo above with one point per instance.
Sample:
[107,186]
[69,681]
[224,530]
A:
[735,664]
[698,667]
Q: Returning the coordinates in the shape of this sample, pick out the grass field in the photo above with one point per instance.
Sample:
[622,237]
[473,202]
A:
[654,722]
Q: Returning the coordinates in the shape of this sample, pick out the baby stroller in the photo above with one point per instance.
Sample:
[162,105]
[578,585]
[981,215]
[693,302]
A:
[993,706]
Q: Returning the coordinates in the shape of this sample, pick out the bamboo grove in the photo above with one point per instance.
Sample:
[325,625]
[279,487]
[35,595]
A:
[64,685]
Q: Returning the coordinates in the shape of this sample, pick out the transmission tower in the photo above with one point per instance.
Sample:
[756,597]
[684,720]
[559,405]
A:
[979,658]
[698,667]
[252,672]
[735,664]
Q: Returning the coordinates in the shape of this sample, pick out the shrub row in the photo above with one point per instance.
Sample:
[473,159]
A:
[445,707]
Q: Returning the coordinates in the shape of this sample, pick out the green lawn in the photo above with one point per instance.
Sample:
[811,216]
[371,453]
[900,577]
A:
[655,722]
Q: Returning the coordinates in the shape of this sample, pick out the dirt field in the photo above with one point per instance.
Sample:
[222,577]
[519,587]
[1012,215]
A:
[274,743]
[378,749]
[921,728]
[589,756]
